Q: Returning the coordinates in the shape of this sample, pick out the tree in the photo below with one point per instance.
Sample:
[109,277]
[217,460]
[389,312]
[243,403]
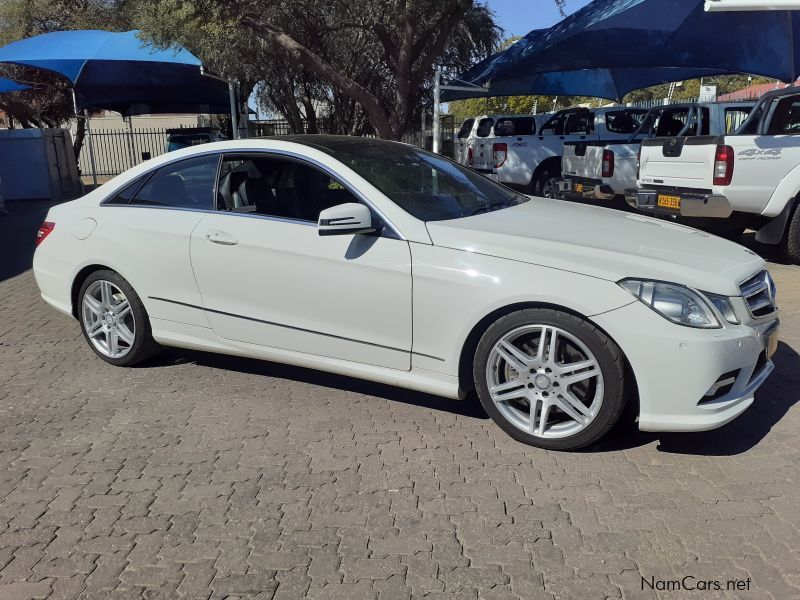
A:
[378,53]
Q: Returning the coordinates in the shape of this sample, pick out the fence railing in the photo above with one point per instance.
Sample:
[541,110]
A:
[116,150]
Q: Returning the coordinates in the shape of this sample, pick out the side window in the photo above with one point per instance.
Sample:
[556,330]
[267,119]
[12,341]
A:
[515,126]
[580,123]
[277,187]
[735,116]
[555,126]
[485,127]
[466,128]
[624,121]
[504,127]
[671,122]
[125,195]
[786,117]
[185,184]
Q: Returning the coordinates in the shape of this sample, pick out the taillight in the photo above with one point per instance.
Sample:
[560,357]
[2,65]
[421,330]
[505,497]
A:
[500,152]
[608,163]
[638,162]
[45,229]
[723,165]
[469,157]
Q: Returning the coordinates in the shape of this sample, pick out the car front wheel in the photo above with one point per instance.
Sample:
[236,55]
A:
[550,379]
[114,321]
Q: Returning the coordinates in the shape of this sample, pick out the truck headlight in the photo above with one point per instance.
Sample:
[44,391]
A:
[674,302]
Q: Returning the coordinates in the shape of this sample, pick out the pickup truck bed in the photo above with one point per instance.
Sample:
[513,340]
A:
[605,170]
[750,179]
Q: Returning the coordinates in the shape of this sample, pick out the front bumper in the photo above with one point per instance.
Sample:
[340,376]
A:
[690,204]
[585,189]
[691,379]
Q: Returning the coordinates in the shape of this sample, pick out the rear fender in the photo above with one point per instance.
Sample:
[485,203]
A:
[788,189]
[773,231]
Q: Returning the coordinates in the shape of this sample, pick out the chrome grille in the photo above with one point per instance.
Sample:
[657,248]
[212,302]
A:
[759,294]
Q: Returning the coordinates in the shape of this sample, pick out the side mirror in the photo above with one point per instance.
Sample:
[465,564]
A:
[345,219]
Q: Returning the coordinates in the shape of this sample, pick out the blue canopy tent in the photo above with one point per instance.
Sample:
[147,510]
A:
[647,34]
[495,76]
[118,71]
[612,84]
[8,85]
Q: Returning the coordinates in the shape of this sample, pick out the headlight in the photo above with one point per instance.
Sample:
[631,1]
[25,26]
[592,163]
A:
[674,302]
[724,307]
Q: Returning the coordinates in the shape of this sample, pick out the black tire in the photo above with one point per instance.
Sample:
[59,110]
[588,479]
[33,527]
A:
[791,241]
[144,346]
[540,183]
[609,358]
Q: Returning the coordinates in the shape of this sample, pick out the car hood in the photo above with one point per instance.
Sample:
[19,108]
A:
[601,242]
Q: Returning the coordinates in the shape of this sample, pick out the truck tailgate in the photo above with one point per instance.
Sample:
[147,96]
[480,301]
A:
[582,160]
[483,155]
[680,162]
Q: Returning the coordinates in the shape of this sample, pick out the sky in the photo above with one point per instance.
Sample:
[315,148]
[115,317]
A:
[518,17]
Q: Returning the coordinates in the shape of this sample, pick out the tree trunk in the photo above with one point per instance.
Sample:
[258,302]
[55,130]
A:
[314,63]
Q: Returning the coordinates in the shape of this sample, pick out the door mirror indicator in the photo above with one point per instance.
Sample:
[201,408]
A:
[345,219]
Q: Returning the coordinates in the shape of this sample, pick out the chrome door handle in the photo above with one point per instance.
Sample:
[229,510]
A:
[220,237]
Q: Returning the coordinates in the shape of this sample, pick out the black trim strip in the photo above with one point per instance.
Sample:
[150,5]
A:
[292,327]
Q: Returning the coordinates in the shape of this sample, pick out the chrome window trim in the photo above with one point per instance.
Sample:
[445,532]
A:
[272,151]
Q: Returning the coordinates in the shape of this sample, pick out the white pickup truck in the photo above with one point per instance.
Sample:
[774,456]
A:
[604,170]
[474,140]
[532,162]
[728,183]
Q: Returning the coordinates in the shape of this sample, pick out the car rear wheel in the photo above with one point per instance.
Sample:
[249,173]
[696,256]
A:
[114,321]
[550,379]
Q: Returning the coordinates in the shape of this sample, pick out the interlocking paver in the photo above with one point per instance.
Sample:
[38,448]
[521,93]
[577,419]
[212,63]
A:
[202,476]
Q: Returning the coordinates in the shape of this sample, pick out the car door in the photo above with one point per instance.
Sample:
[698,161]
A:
[267,277]
[144,233]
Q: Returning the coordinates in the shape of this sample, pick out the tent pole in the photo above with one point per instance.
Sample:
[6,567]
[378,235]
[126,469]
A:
[88,133]
[234,116]
[131,154]
[437,92]
[91,146]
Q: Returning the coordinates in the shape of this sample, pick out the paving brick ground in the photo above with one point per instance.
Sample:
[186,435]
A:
[199,476]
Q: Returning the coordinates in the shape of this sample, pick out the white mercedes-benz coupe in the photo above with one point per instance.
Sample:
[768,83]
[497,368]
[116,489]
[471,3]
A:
[381,261]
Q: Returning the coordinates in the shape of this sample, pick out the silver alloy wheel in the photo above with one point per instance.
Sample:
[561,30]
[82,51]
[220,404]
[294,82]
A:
[550,188]
[108,319]
[545,381]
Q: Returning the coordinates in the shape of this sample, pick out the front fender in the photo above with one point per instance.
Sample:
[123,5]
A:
[454,290]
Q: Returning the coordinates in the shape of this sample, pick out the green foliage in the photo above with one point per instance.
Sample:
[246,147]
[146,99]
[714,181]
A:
[690,89]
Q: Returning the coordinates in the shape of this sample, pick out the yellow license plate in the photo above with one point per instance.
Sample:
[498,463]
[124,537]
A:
[669,201]
[579,187]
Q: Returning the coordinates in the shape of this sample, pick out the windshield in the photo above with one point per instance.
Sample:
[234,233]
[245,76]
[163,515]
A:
[423,184]
[178,142]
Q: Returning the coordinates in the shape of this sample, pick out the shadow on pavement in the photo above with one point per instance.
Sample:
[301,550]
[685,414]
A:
[780,392]
[469,407]
[17,235]
[773,401]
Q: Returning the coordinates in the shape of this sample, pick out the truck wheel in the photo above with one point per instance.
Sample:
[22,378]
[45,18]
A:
[791,242]
[546,184]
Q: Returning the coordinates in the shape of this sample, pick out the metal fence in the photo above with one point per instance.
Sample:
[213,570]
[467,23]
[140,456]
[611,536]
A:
[116,150]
